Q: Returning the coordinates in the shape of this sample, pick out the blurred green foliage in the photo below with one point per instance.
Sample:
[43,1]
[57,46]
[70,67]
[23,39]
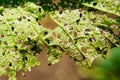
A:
[109,69]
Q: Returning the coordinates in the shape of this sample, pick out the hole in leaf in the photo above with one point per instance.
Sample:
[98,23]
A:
[26,58]
[3,53]
[86,33]
[2,14]
[10,64]
[28,19]
[95,3]
[47,40]
[98,49]
[90,39]
[45,33]
[49,64]
[80,15]
[28,38]
[15,47]
[23,59]
[39,9]
[60,12]
[36,19]
[75,41]
[54,45]
[77,21]
[91,9]
[12,28]
[19,19]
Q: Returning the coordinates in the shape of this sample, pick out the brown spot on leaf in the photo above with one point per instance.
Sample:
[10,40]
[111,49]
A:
[12,14]
[2,35]
[5,43]
[16,33]
[93,20]
[71,28]
[83,50]
[87,30]
[56,1]
[54,34]
[101,31]
[69,40]
[58,36]
[93,38]
[65,24]
[22,32]
[48,22]
[31,33]
[116,32]
[84,19]
[60,9]
[24,17]
[75,34]
[19,41]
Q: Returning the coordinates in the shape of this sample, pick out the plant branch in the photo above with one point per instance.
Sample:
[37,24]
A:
[13,39]
[100,9]
[39,35]
[60,25]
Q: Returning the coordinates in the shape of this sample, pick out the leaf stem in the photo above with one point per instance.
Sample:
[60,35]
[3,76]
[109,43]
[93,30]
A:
[39,35]
[100,9]
[13,39]
[60,25]
[81,53]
